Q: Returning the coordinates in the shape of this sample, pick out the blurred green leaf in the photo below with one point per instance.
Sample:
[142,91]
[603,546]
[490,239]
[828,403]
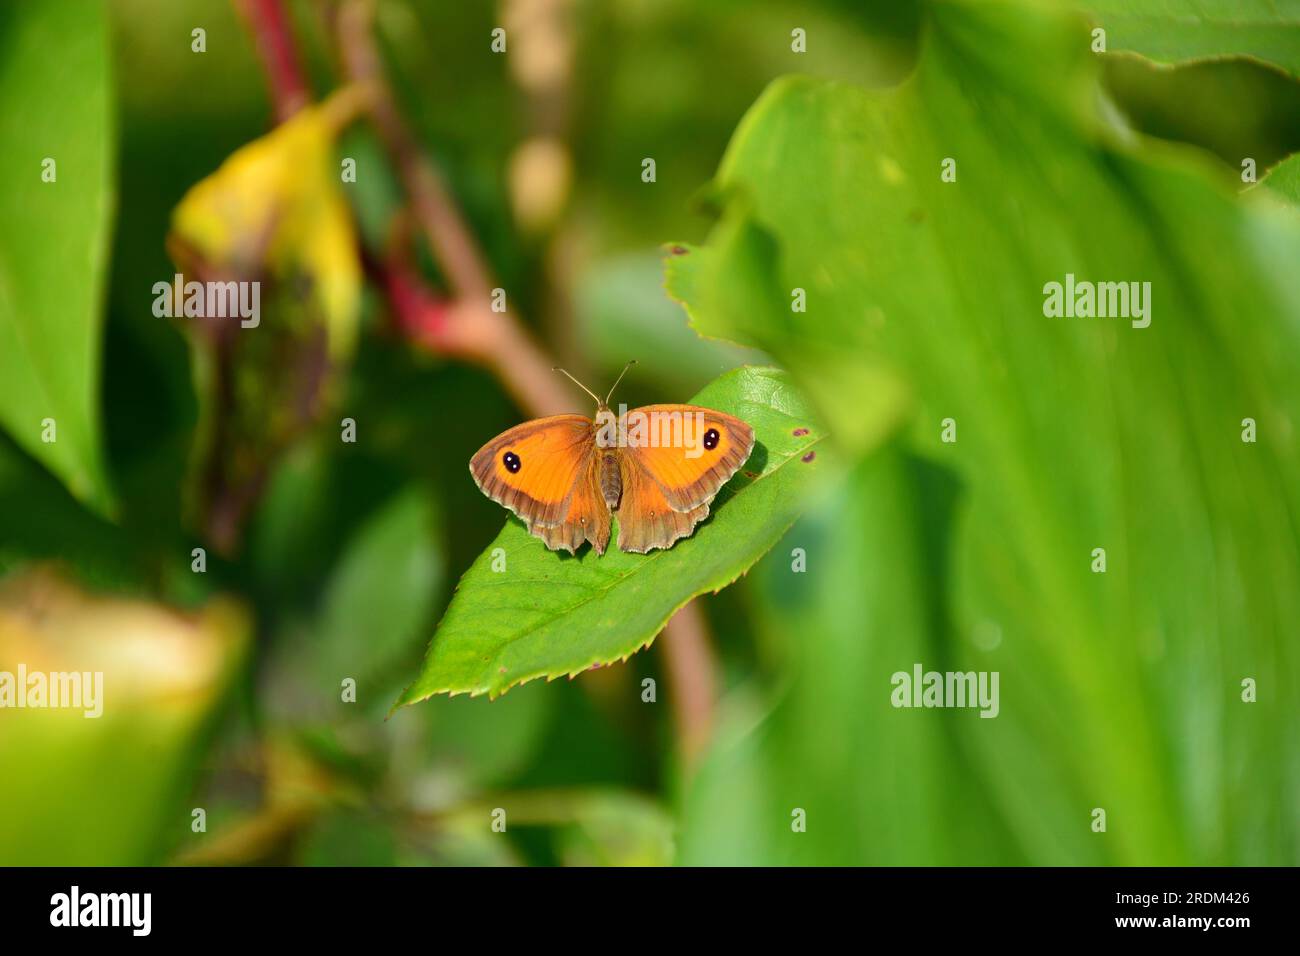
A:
[40,520]
[55,234]
[287,540]
[1120,690]
[108,789]
[551,614]
[350,838]
[382,591]
[1244,109]
[873,782]
[1169,31]
[617,829]
[477,742]
[592,826]
[622,314]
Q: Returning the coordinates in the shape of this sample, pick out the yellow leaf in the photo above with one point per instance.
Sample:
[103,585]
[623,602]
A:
[275,208]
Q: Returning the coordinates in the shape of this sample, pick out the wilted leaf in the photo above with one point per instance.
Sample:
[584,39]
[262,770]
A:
[275,208]
[273,215]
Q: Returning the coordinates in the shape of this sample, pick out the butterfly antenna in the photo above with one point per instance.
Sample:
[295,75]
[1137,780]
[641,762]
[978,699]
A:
[580,385]
[617,380]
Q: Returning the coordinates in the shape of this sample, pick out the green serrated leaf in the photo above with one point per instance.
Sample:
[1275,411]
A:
[54,235]
[549,614]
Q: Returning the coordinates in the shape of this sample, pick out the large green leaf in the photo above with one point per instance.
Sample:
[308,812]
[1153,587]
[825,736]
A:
[871,780]
[1120,690]
[549,614]
[55,104]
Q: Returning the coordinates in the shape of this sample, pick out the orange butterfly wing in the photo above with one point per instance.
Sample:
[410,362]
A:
[645,518]
[547,472]
[587,518]
[689,461]
[672,470]
[533,468]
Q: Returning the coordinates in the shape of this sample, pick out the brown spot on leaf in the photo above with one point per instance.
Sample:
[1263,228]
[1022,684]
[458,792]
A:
[799,432]
[809,457]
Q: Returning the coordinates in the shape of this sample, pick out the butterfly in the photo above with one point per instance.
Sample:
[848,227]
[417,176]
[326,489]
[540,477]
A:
[657,467]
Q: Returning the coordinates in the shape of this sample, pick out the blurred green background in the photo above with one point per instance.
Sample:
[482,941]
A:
[1120,691]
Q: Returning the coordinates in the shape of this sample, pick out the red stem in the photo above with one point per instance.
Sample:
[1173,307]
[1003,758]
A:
[271,31]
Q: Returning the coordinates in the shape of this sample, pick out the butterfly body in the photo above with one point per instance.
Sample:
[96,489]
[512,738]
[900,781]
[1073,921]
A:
[611,479]
[657,467]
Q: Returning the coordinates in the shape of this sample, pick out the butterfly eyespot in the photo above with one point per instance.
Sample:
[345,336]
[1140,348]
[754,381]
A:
[711,439]
[511,461]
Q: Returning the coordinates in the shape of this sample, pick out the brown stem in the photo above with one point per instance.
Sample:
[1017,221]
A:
[447,233]
[476,331]
[692,673]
